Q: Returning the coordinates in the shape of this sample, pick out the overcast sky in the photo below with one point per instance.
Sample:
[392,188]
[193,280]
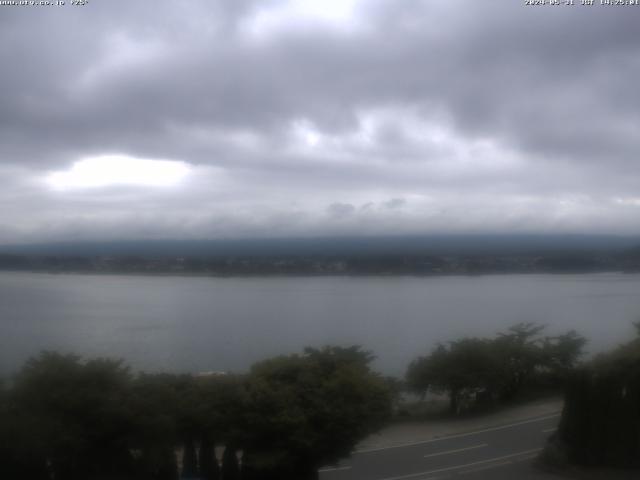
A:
[251,118]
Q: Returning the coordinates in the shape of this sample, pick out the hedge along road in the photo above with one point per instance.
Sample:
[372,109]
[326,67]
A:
[499,452]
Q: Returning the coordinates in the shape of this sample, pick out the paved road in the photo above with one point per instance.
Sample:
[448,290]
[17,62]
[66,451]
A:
[503,452]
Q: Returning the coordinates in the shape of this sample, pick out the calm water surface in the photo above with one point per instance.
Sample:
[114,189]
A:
[199,324]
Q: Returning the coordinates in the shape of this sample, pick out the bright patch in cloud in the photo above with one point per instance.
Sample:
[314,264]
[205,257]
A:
[305,133]
[337,13]
[111,170]
[633,201]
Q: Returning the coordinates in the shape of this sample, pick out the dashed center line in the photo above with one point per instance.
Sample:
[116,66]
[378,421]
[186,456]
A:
[333,469]
[466,465]
[459,435]
[447,452]
[484,468]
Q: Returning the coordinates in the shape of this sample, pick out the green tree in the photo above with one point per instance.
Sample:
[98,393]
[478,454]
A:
[474,369]
[230,465]
[221,403]
[310,410]
[520,352]
[600,424]
[158,407]
[562,353]
[209,469]
[465,369]
[74,415]
[21,454]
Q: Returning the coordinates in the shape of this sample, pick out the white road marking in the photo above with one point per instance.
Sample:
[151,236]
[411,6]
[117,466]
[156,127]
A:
[458,467]
[485,468]
[496,465]
[456,450]
[459,435]
[333,469]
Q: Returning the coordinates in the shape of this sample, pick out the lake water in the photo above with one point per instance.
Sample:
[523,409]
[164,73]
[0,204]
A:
[201,324]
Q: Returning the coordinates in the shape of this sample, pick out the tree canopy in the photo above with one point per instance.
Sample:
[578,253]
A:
[600,424]
[472,370]
[66,418]
[311,409]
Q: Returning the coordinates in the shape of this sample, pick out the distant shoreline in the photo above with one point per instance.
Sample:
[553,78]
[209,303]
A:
[363,264]
[309,275]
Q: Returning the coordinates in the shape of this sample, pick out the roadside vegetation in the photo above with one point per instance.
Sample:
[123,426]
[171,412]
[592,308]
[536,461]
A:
[64,418]
[600,424]
[480,372]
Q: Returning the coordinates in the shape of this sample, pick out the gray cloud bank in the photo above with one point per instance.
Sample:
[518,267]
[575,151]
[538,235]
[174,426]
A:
[313,118]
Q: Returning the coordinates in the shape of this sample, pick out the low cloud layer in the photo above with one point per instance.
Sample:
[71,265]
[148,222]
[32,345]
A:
[318,118]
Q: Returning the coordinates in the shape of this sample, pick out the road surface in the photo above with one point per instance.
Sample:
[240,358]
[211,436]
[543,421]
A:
[500,452]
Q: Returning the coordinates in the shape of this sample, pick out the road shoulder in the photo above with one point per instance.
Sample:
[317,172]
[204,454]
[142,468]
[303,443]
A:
[407,433]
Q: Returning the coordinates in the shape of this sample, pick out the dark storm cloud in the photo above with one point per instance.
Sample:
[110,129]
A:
[281,108]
